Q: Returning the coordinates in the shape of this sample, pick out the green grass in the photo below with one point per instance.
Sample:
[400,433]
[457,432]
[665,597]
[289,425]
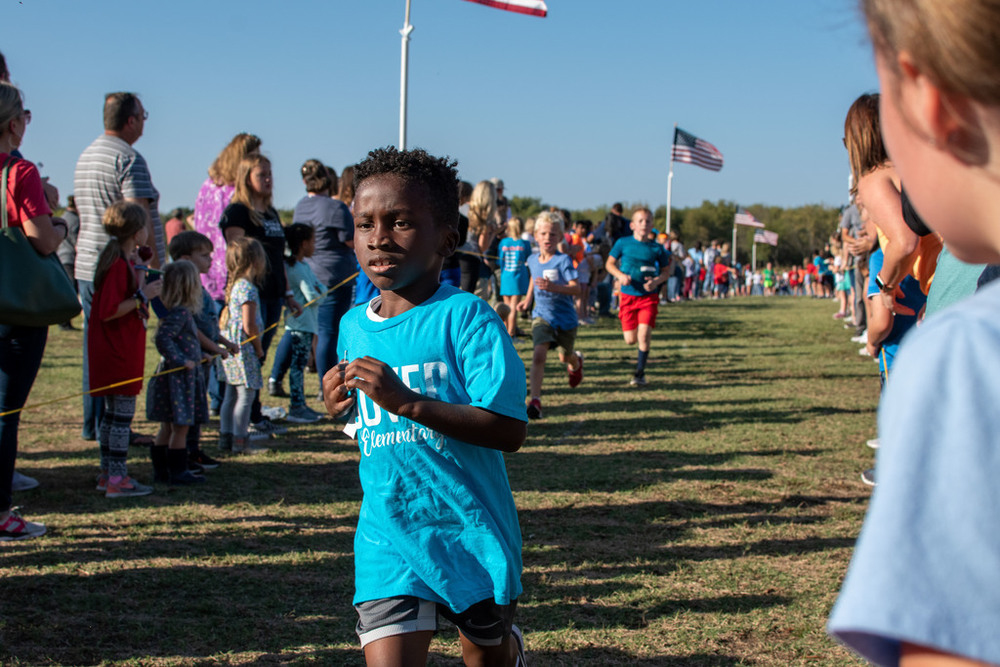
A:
[705,520]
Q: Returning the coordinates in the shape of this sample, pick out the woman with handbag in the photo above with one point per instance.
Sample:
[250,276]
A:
[21,345]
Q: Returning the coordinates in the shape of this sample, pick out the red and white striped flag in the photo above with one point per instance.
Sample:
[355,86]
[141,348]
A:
[765,236]
[746,218]
[689,148]
[532,7]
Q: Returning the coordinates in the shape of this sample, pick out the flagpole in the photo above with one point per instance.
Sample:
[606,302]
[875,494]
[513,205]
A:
[405,32]
[734,236]
[753,261]
[670,176]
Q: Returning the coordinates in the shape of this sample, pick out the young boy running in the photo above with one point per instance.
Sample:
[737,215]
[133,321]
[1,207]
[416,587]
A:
[641,265]
[438,391]
[553,286]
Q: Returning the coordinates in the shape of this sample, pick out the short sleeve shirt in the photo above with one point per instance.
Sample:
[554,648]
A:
[925,566]
[555,308]
[25,196]
[271,235]
[437,519]
[333,261]
[640,260]
[107,171]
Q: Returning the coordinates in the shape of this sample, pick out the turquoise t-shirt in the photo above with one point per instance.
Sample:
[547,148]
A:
[640,260]
[438,519]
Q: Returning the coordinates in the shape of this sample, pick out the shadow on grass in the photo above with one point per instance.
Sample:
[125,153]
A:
[165,612]
[614,658]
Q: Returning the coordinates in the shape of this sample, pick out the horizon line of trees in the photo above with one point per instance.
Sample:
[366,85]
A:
[801,230]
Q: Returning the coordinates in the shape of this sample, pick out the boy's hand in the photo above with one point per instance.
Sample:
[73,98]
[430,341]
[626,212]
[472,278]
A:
[373,377]
[336,396]
[543,284]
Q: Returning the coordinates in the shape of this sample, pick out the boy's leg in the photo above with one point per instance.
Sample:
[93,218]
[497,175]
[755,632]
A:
[486,630]
[396,632]
[409,650]
[537,373]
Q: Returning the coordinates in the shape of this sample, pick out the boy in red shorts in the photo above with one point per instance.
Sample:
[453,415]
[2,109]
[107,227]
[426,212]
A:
[640,265]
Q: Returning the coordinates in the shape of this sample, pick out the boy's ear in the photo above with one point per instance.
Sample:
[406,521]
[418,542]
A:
[449,241]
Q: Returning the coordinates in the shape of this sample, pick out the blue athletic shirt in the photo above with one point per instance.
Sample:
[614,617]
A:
[555,308]
[437,519]
[913,299]
[640,260]
[513,253]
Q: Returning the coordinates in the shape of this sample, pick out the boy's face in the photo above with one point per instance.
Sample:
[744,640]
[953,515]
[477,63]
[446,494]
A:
[547,236]
[396,239]
[201,258]
[642,225]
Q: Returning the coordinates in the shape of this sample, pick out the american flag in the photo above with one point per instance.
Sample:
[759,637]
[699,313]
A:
[532,7]
[765,236]
[746,218]
[689,148]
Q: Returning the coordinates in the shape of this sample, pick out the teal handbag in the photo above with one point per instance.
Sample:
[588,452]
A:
[34,290]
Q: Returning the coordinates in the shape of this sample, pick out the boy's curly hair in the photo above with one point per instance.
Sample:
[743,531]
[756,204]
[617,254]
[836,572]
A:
[438,174]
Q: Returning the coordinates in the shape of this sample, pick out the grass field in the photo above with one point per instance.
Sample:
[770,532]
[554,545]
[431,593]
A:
[705,520]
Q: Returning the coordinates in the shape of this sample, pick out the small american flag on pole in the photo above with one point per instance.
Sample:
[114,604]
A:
[689,148]
[746,218]
[532,7]
[765,236]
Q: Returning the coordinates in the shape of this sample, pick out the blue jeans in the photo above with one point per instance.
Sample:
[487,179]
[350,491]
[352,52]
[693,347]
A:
[331,309]
[21,350]
[93,406]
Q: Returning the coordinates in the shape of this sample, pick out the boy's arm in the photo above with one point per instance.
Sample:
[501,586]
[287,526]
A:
[476,426]
[572,288]
[525,303]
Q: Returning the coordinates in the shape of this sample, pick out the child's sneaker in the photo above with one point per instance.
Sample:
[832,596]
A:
[204,460]
[125,488]
[535,409]
[244,448]
[275,389]
[576,377]
[515,632]
[302,414]
[638,381]
[102,481]
[16,528]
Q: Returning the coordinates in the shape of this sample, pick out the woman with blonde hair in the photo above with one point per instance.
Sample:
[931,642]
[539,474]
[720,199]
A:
[213,198]
[482,231]
[251,214]
[922,585]
[21,347]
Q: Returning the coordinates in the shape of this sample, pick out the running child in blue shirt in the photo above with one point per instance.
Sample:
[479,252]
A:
[554,284]
[438,391]
[641,265]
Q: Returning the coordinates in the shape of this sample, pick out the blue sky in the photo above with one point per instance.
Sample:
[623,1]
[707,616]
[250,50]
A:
[577,108]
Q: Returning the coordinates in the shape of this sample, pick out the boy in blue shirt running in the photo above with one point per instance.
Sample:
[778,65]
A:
[641,265]
[438,391]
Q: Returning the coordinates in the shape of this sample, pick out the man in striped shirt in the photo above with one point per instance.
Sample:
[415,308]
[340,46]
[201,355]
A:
[110,170]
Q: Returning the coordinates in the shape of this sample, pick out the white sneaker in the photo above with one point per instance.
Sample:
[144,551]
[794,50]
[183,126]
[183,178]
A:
[22,482]
[860,338]
[864,352]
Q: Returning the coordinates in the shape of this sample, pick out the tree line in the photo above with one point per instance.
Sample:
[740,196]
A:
[801,230]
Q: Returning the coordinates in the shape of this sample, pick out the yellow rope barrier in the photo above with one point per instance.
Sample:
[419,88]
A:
[171,370]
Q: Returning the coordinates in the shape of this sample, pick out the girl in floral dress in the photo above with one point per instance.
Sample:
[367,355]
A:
[243,324]
[177,399]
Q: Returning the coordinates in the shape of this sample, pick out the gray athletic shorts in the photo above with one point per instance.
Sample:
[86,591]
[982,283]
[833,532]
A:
[485,623]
